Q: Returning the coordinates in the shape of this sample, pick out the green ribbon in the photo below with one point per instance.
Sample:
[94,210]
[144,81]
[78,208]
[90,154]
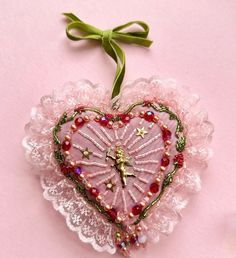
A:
[109,39]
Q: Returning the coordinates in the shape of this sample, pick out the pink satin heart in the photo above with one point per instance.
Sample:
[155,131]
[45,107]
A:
[122,159]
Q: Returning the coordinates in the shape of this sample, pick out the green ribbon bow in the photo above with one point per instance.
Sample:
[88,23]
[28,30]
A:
[109,40]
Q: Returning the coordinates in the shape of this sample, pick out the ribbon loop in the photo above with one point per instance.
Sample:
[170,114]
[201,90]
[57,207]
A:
[109,39]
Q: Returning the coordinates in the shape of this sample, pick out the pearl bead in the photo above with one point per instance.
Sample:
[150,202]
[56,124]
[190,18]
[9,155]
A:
[81,176]
[167,154]
[107,207]
[67,153]
[86,118]
[67,137]
[110,123]
[142,203]
[97,118]
[99,198]
[88,186]
[118,219]
[73,127]
[141,114]
[162,168]
[131,115]
[155,119]
[149,194]
[139,228]
[72,163]
[121,124]
[131,215]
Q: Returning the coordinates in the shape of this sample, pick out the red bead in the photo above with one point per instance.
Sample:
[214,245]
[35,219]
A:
[154,188]
[67,171]
[124,118]
[146,103]
[64,169]
[94,192]
[103,121]
[121,245]
[133,239]
[148,116]
[136,210]
[121,116]
[66,145]
[109,116]
[165,161]
[112,213]
[79,122]
[179,160]
[166,134]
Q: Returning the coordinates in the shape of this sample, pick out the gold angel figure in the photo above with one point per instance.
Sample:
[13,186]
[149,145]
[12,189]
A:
[120,163]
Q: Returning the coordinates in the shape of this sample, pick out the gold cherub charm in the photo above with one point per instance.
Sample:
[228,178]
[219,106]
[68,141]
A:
[120,163]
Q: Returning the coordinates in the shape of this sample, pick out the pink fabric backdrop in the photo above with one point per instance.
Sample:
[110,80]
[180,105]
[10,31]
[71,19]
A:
[194,42]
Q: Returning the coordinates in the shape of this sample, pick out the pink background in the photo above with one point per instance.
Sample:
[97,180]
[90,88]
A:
[194,42]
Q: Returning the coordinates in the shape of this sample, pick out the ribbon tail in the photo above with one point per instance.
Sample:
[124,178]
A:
[120,69]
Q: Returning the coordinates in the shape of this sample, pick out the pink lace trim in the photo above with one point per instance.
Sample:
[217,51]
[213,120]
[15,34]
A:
[80,217]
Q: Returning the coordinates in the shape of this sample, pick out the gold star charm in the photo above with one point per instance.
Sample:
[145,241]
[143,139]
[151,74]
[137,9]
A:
[110,185]
[141,132]
[86,153]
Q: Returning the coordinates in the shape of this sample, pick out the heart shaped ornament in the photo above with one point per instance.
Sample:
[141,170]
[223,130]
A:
[119,169]
[120,177]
